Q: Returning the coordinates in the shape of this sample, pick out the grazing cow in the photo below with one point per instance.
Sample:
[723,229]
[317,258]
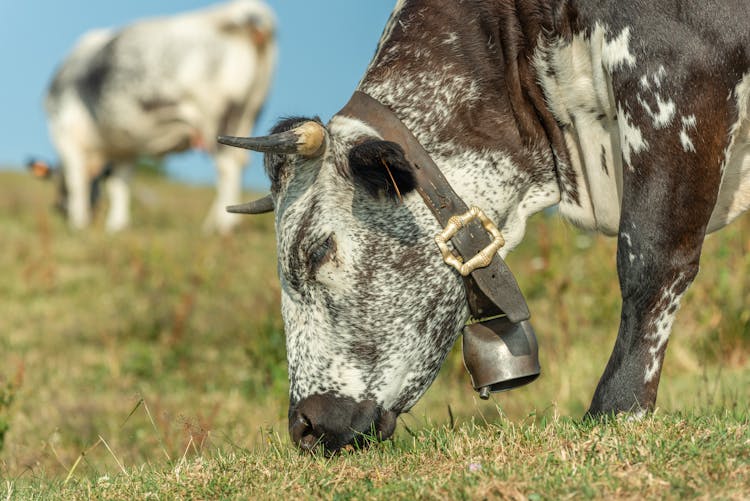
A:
[156,87]
[632,117]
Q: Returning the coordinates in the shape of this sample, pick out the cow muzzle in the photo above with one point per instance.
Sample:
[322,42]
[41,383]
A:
[332,422]
[500,355]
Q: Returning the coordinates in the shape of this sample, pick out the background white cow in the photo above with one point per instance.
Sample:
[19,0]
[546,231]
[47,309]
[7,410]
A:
[155,87]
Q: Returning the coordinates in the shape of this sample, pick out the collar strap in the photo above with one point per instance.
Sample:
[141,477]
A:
[491,288]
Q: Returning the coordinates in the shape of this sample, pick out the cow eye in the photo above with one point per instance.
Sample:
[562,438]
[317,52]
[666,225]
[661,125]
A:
[320,253]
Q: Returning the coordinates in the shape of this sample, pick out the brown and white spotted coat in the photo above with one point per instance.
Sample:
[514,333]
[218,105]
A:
[632,117]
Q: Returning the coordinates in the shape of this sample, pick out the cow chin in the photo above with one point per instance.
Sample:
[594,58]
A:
[331,422]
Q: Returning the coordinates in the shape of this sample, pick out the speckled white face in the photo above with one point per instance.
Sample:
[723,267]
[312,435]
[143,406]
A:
[370,309]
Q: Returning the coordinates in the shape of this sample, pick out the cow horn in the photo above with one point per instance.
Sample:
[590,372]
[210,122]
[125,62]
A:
[260,206]
[307,139]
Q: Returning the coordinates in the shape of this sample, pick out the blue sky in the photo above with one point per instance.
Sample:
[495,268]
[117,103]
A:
[324,48]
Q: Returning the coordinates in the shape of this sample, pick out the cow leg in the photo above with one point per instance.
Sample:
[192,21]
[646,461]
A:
[118,191]
[229,165]
[653,279]
[77,184]
[665,211]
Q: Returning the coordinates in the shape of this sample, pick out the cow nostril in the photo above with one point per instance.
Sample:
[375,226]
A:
[308,442]
[303,432]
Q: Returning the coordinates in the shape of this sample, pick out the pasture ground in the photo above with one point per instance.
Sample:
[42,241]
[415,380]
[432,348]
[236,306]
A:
[150,364]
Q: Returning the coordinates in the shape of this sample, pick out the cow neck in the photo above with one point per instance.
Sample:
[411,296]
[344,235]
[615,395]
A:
[491,290]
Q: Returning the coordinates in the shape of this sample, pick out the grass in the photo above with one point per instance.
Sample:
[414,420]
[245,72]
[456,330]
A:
[673,456]
[151,364]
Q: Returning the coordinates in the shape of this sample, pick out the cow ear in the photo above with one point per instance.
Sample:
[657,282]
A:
[381,168]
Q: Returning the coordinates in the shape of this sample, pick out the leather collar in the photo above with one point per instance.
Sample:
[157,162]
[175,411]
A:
[491,290]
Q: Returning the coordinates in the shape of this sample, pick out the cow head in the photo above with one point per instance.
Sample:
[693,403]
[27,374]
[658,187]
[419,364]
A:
[370,309]
[43,170]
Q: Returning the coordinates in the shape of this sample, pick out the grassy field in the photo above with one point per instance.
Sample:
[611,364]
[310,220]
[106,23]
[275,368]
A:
[150,364]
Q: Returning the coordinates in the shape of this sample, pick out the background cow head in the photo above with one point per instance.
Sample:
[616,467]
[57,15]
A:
[44,170]
[370,309]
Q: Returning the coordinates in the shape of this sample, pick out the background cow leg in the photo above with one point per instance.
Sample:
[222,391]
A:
[77,184]
[118,191]
[665,211]
[229,166]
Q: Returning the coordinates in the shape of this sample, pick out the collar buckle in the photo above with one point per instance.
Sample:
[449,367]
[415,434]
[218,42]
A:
[484,257]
